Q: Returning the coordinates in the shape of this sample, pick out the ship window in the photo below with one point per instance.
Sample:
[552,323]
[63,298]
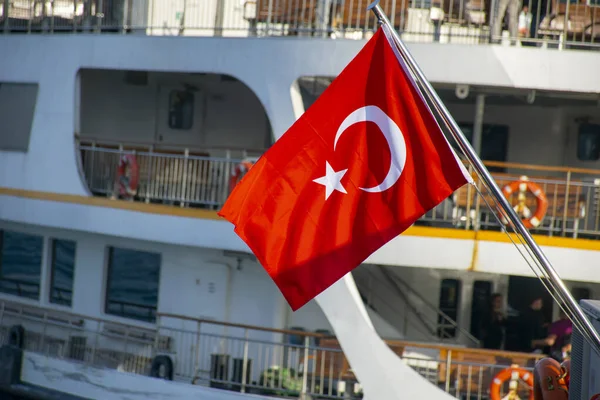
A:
[63,268]
[581,293]
[588,142]
[181,109]
[17,106]
[494,142]
[480,305]
[132,284]
[20,264]
[449,303]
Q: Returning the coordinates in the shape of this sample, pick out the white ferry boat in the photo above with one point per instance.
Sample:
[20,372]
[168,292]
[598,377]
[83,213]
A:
[145,278]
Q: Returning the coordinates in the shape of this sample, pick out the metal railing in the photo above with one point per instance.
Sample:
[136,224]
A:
[572,199]
[445,21]
[573,194]
[241,357]
[171,178]
[429,321]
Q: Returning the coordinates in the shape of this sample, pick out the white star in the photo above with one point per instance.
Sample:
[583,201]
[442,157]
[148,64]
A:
[331,180]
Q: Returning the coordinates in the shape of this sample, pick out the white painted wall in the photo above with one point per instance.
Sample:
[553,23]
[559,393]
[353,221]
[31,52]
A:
[537,135]
[252,60]
[406,250]
[226,113]
[194,282]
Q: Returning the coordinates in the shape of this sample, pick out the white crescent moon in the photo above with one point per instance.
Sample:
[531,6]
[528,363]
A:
[393,136]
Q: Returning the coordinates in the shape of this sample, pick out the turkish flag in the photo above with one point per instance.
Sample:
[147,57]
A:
[360,166]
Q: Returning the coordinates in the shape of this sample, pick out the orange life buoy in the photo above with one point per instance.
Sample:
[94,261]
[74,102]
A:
[550,380]
[128,175]
[510,374]
[239,171]
[531,220]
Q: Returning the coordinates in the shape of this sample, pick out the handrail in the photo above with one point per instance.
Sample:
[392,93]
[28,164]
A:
[461,349]
[431,328]
[391,342]
[439,312]
[98,142]
[445,316]
[243,326]
[52,312]
[547,168]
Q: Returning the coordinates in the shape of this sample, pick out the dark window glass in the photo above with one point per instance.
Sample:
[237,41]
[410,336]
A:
[132,287]
[580,293]
[482,290]
[20,264]
[494,142]
[588,142]
[449,303]
[181,109]
[63,269]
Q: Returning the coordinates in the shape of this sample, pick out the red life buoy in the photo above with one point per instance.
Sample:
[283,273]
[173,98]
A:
[532,220]
[239,171]
[128,175]
[510,374]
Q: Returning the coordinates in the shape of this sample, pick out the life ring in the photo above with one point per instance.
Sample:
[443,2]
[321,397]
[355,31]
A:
[550,380]
[511,374]
[530,220]
[128,175]
[16,336]
[239,171]
[162,367]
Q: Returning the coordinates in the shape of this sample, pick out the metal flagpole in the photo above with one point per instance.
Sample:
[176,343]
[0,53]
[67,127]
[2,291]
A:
[577,313]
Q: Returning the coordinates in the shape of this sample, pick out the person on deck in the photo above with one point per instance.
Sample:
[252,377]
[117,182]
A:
[560,330]
[493,324]
[533,337]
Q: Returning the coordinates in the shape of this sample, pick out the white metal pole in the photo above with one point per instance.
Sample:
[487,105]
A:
[577,313]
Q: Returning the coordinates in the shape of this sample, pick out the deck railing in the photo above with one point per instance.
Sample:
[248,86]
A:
[245,358]
[572,194]
[445,21]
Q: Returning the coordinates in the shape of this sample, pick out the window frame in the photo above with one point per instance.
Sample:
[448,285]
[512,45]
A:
[449,333]
[51,259]
[596,133]
[172,93]
[109,271]
[40,282]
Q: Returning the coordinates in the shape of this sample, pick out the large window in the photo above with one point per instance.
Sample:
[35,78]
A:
[63,268]
[20,264]
[132,284]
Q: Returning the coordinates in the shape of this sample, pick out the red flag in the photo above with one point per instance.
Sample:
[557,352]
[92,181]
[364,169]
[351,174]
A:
[360,166]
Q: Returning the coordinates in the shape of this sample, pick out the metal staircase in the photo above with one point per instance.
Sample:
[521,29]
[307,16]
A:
[417,320]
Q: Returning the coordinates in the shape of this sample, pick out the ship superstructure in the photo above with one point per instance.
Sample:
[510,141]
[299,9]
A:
[193,92]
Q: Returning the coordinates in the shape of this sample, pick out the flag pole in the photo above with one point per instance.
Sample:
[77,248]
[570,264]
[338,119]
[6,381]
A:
[577,313]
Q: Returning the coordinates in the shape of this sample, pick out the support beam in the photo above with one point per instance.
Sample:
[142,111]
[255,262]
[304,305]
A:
[478,122]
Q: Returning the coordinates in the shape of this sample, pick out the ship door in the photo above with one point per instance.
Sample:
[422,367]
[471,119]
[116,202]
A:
[179,121]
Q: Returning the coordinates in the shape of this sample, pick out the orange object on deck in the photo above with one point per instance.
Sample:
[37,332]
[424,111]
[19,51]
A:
[521,187]
[128,175]
[507,375]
